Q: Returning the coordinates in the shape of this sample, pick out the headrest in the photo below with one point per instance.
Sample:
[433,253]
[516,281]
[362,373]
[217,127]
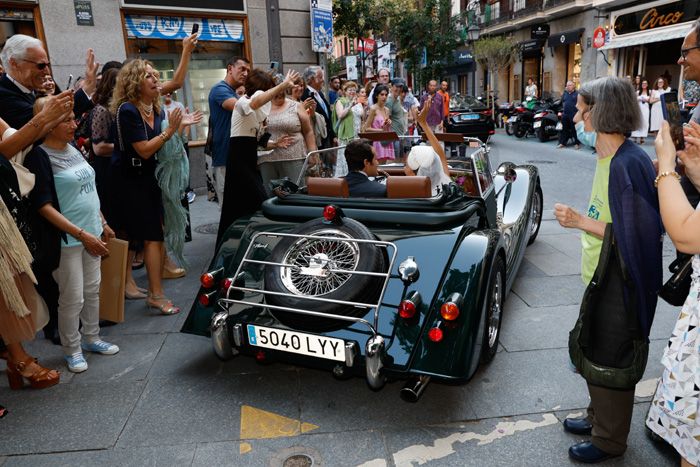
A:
[408,187]
[332,187]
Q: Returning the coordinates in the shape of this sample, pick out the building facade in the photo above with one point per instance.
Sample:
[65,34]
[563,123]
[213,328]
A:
[267,32]
[555,39]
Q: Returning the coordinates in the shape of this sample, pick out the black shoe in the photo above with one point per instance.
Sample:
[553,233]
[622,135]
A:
[578,426]
[587,453]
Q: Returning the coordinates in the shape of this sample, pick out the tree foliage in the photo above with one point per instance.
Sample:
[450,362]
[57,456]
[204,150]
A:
[495,53]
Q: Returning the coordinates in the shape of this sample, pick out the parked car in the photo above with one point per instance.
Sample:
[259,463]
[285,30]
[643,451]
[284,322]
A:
[409,287]
[470,117]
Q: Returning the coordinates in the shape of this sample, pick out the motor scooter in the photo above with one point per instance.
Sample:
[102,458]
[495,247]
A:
[522,121]
[546,120]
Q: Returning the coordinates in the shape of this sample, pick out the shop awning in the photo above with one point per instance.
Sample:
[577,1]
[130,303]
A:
[531,48]
[647,37]
[564,38]
[178,27]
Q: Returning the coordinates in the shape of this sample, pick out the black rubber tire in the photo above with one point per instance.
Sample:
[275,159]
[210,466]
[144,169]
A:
[509,129]
[519,131]
[497,281]
[537,206]
[542,135]
[357,288]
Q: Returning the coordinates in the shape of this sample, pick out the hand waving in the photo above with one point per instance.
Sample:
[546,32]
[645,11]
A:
[192,118]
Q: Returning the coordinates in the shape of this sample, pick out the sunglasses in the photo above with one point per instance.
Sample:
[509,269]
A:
[39,65]
[684,52]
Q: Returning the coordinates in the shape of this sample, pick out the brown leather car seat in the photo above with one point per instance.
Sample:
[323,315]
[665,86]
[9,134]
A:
[408,187]
[332,187]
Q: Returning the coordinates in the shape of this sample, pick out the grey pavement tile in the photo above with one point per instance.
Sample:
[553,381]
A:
[136,355]
[348,448]
[526,382]
[66,417]
[196,409]
[569,244]
[538,328]
[513,302]
[556,263]
[664,320]
[352,405]
[49,355]
[165,456]
[550,291]
[190,356]
[528,269]
[540,247]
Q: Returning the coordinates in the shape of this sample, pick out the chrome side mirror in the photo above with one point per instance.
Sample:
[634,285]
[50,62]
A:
[507,171]
[408,270]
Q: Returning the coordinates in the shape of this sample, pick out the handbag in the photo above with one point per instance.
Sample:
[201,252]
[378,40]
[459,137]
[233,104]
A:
[676,289]
[606,345]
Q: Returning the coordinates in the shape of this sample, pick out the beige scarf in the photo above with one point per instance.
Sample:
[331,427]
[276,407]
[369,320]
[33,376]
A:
[15,259]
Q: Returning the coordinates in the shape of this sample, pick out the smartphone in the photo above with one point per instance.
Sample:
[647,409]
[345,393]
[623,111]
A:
[70,80]
[195,28]
[672,114]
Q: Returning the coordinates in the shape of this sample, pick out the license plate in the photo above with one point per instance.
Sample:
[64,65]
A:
[536,124]
[469,117]
[558,127]
[297,342]
[512,119]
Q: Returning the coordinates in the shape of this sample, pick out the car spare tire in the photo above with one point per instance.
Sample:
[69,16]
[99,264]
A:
[314,259]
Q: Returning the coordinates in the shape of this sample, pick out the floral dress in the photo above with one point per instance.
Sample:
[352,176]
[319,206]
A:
[673,412]
[384,149]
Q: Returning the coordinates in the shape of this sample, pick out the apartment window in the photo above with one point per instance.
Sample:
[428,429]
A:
[518,5]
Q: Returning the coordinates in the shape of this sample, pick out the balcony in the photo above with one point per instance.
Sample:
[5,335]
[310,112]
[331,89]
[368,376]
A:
[504,15]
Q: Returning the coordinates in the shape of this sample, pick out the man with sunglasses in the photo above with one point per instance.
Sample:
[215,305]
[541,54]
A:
[27,66]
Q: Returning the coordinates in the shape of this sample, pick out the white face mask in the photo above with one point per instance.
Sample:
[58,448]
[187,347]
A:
[586,137]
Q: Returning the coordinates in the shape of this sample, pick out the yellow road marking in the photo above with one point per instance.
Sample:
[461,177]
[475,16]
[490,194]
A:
[245,448]
[261,424]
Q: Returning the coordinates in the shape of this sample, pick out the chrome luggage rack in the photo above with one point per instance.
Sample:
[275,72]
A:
[375,345]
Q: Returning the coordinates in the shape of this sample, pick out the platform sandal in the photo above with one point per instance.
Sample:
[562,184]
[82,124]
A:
[40,379]
[3,411]
[162,304]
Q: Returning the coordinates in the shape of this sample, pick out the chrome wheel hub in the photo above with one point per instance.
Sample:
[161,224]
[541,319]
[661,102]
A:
[495,311]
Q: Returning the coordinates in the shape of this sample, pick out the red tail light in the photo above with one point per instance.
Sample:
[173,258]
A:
[206,299]
[449,311]
[486,113]
[260,356]
[207,280]
[330,212]
[435,334]
[407,309]
[520,109]
[227,283]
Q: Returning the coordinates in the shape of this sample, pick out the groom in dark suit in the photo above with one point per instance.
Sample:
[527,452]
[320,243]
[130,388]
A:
[313,76]
[362,164]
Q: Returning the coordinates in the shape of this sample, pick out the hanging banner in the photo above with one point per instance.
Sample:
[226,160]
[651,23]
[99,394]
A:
[322,26]
[178,27]
[351,67]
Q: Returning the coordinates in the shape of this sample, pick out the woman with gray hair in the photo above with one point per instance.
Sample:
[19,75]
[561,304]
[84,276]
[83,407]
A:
[620,264]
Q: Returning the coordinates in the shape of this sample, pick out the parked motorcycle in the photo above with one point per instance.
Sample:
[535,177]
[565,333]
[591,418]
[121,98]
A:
[523,120]
[546,120]
[505,111]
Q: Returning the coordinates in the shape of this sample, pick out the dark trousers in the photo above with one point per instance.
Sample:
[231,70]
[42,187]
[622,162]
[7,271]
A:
[568,131]
[610,413]
[48,289]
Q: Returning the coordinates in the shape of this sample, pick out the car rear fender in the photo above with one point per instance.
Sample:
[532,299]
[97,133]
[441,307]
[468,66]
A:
[456,356]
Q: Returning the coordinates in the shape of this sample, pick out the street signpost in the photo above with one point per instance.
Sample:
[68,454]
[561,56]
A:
[322,26]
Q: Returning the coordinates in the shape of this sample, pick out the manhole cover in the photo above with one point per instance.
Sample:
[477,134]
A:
[211,229]
[541,162]
[298,460]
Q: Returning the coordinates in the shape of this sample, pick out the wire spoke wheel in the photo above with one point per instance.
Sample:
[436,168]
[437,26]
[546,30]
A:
[495,311]
[314,262]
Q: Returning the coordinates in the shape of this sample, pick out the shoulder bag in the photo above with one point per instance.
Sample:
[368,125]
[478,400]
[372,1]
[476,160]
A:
[676,289]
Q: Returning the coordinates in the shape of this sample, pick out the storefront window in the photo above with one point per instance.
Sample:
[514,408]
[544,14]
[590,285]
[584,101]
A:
[204,74]
[574,72]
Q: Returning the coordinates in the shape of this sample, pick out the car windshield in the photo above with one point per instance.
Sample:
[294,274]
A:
[465,103]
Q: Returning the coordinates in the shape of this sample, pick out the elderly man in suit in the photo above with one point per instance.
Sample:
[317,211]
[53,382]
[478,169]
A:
[314,79]
[362,164]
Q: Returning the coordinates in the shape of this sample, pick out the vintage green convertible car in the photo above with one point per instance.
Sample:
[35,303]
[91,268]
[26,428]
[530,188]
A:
[408,287]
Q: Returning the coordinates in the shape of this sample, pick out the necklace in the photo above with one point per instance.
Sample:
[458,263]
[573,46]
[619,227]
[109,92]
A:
[146,109]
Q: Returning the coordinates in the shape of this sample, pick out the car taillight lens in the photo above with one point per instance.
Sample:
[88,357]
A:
[227,283]
[407,309]
[449,311]
[330,212]
[206,299]
[435,334]
[486,113]
[207,280]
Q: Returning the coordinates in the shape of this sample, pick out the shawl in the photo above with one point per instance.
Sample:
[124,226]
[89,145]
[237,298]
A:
[345,127]
[172,173]
[15,259]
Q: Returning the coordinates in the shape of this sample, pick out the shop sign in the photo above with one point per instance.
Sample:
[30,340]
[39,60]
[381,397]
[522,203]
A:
[462,57]
[178,27]
[227,6]
[83,12]
[599,37]
[541,31]
[351,66]
[322,26]
[659,16]
[366,45]
[8,14]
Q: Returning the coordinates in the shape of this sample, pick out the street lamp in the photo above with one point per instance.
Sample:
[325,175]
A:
[473,32]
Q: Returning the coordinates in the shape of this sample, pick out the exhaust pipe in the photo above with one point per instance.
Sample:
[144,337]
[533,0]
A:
[414,388]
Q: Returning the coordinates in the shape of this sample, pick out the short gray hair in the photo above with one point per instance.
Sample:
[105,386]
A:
[614,106]
[696,30]
[310,72]
[16,47]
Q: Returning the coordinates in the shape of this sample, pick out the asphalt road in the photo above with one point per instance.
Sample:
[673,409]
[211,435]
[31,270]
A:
[166,400]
